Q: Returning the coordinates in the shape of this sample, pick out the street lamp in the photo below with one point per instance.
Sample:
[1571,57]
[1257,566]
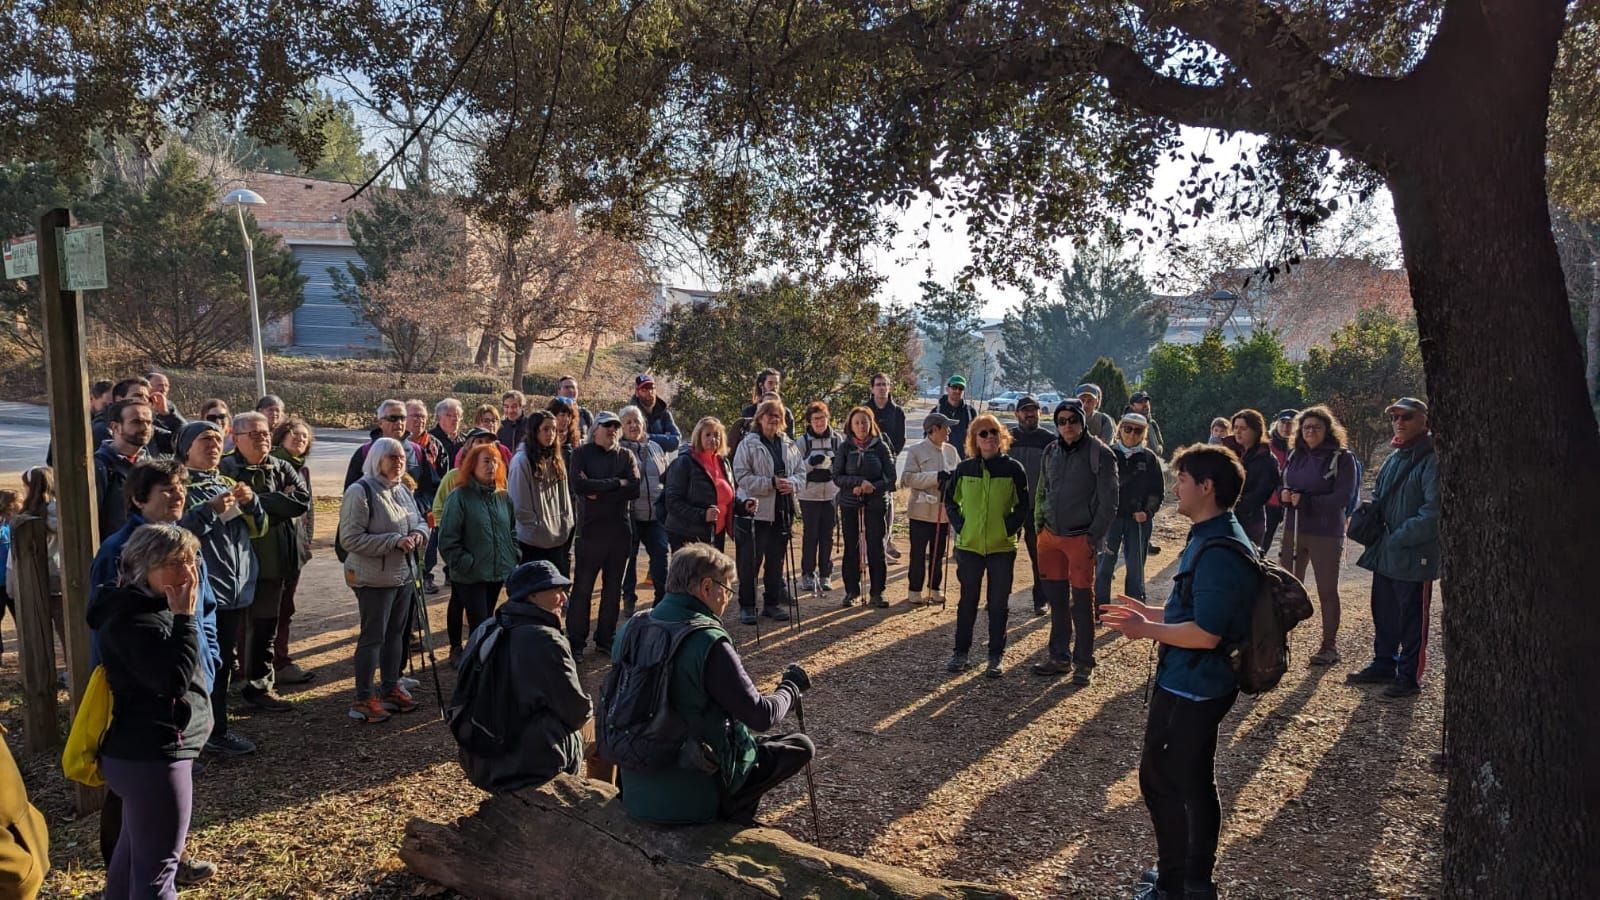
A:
[239,199]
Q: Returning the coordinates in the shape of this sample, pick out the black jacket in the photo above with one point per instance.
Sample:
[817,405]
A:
[110,478]
[1027,447]
[688,492]
[510,432]
[1261,478]
[873,464]
[550,701]
[963,414]
[161,709]
[451,448]
[659,425]
[1140,487]
[285,498]
[606,481]
[891,421]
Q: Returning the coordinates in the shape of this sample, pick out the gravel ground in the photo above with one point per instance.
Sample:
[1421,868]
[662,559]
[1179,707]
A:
[1024,782]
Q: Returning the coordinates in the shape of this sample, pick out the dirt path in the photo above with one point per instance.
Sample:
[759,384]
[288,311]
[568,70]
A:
[1025,782]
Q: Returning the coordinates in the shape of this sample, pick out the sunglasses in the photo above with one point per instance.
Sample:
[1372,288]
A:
[1132,429]
[218,418]
[396,418]
[988,433]
[1068,420]
[610,424]
[1402,417]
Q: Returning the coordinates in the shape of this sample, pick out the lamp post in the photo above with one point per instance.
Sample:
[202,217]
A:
[239,199]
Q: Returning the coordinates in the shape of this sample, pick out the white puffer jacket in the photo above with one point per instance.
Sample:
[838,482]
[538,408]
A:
[753,472]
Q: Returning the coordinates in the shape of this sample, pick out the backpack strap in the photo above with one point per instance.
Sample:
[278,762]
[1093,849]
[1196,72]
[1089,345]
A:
[1236,546]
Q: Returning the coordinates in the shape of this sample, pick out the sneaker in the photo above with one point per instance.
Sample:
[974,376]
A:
[747,617]
[915,599]
[878,602]
[808,584]
[193,871]
[266,701]
[1052,667]
[370,711]
[848,601]
[230,745]
[398,699]
[994,670]
[827,583]
[1040,609]
[1150,875]
[409,683]
[891,551]
[293,674]
[1402,687]
[958,663]
[1081,675]
[429,586]
[775,612]
[1325,657]
[1369,675]
[936,597]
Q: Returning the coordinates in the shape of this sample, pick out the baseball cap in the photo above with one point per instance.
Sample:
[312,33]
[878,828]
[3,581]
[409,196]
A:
[1092,390]
[1408,404]
[607,418]
[1140,397]
[937,420]
[1285,415]
[956,381]
[1027,400]
[1134,418]
[642,379]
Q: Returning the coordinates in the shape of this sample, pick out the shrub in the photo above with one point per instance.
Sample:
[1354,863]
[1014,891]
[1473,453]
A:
[539,383]
[1114,391]
[1190,384]
[478,384]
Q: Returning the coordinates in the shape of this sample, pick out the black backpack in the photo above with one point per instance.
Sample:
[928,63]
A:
[634,724]
[1280,603]
[483,714]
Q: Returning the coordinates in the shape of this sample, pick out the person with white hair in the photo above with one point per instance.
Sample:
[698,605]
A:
[381,533]
[390,423]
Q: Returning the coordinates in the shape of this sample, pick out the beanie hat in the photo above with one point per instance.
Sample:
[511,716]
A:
[190,431]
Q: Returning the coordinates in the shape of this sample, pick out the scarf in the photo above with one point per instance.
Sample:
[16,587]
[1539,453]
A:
[712,463]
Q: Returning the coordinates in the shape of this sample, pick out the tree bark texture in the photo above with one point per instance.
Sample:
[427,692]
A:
[571,839]
[1517,447]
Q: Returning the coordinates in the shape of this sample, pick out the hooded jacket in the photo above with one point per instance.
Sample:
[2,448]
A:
[110,478]
[227,546]
[475,536]
[659,425]
[285,498]
[543,509]
[549,696]
[1409,549]
[872,464]
[819,486]
[1077,495]
[153,667]
[754,472]
[371,533]
[987,502]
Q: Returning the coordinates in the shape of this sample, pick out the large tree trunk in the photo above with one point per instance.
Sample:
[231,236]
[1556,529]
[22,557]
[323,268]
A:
[570,838]
[1591,347]
[1517,446]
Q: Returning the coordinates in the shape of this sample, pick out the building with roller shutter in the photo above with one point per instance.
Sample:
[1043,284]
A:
[309,215]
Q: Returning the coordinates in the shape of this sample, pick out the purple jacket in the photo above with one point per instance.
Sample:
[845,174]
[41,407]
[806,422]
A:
[1322,499]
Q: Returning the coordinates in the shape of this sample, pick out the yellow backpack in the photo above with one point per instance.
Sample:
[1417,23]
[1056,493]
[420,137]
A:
[80,761]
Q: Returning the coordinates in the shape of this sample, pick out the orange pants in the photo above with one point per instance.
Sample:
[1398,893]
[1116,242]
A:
[1069,559]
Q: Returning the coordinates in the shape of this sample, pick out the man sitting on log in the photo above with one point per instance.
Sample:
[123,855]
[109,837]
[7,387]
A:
[725,770]
[519,704]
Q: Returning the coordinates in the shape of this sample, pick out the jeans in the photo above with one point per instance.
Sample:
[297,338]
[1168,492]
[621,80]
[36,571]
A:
[778,758]
[652,536]
[971,568]
[852,519]
[759,549]
[929,544]
[1400,626]
[817,520]
[385,617]
[1134,540]
[602,556]
[229,623]
[1177,775]
[478,600]
[157,799]
[560,556]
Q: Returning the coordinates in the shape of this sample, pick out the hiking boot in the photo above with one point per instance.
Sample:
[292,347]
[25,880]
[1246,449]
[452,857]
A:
[878,602]
[230,745]
[958,663]
[1327,656]
[1150,875]
[398,699]
[1369,675]
[193,871]
[1052,667]
[747,617]
[808,583]
[915,598]
[370,711]
[1082,675]
[994,670]
[1149,891]
[775,612]
[827,583]
[266,701]
[293,674]
[848,601]
[429,586]
[890,550]
[1403,687]
[1154,550]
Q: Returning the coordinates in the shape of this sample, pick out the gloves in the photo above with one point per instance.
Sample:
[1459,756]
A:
[793,674]
[818,476]
[944,478]
[1013,523]
[817,459]
[957,521]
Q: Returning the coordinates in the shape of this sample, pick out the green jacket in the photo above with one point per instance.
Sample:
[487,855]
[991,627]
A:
[475,536]
[1409,549]
[681,796]
[988,504]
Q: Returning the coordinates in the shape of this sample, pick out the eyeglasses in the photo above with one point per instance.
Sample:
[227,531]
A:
[255,435]
[725,588]
[1402,417]
[218,418]
[1064,421]
[1132,429]
[399,417]
[988,433]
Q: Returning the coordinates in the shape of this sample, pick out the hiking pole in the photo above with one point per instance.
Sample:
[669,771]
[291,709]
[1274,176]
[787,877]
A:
[944,578]
[421,610]
[790,583]
[811,780]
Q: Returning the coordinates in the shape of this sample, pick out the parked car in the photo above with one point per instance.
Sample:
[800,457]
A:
[1006,402]
[1048,400]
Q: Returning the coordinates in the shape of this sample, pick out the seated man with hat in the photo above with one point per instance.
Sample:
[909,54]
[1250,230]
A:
[527,705]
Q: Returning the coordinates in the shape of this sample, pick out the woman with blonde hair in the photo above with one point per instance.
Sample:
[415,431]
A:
[986,498]
[698,490]
[864,474]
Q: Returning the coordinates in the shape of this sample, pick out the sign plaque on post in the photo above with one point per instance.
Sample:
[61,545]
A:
[83,258]
[22,257]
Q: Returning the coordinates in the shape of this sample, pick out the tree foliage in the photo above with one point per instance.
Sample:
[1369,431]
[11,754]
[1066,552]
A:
[1366,365]
[1023,351]
[949,317]
[828,339]
[26,190]
[341,156]
[1103,308]
[175,266]
[1191,384]
[1114,391]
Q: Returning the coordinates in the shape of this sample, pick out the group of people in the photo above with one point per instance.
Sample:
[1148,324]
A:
[207,525]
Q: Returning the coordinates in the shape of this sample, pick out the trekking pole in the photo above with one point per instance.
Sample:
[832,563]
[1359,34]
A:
[863,567]
[944,579]
[811,780]
[421,610]
[790,583]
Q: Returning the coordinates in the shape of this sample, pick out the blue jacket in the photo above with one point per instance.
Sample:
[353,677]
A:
[1409,550]
[226,546]
[1216,591]
[103,573]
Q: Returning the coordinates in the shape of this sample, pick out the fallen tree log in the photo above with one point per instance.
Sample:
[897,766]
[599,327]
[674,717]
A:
[571,838]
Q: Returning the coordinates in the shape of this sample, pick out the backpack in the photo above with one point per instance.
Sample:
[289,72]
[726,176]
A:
[338,546]
[1280,603]
[634,724]
[482,714]
[1355,492]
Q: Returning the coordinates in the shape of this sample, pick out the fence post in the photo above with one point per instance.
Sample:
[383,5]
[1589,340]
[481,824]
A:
[36,638]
